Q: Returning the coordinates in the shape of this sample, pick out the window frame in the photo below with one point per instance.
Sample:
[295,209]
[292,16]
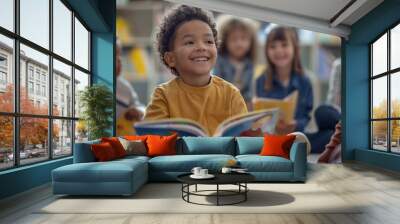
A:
[16,115]
[388,74]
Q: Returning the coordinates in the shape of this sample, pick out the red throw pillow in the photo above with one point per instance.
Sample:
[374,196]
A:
[103,152]
[277,145]
[161,145]
[116,145]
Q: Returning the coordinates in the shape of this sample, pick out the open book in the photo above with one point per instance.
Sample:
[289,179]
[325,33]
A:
[234,126]
[287,106]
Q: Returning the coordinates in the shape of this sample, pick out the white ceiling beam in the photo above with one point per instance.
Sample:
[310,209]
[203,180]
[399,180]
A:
[348,12]
[268,15]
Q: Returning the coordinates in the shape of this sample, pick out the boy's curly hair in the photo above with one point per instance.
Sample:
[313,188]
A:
[171,22]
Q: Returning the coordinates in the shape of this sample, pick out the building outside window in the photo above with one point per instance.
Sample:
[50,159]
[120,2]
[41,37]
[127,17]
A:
[58,126]
[385,94]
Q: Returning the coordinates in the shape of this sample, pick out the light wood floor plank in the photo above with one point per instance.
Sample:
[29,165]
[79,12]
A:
[376,190]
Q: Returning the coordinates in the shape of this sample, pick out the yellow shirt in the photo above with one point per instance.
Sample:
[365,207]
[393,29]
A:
[208,105]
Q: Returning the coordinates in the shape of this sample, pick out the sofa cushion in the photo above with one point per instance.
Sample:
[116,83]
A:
[257,163]
[134,147]
[185,163]
[277,145]
[103,152]
[116,145]
[161,145]
[112,171]
[249,145]
[131,158]
[207,145]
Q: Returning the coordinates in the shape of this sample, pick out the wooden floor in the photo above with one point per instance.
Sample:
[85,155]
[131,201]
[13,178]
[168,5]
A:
[378,189]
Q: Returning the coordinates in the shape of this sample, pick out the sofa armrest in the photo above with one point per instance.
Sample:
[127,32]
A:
[298,155]
[83,152]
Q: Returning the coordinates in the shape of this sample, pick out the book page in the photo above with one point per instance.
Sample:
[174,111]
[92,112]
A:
[286,106]
[180,125]
[261,119]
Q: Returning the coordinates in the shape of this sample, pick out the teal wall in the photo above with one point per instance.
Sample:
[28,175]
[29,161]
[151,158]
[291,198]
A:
[24,178]
[355,58]
[102,67]
[99,16]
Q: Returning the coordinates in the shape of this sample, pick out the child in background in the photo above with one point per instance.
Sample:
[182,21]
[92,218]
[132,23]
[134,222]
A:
[237,53]
[284,74]
[186,42]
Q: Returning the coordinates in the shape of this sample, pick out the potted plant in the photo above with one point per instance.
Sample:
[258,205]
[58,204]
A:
[96,104]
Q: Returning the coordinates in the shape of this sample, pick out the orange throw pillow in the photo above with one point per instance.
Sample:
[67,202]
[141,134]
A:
[161,145]
[277,145]
[116,145]
[103,152]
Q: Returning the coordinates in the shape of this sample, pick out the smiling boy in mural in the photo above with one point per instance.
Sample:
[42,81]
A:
[186,42]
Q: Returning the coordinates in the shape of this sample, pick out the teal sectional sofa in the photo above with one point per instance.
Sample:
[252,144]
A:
[125,176]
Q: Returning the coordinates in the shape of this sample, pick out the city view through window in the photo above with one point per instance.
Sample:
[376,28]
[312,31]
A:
[42,70]
[385,94]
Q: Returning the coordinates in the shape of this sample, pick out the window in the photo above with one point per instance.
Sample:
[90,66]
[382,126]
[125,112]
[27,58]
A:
[30,87]
[3,71]
[81,45]
[3,80]
[30,72]
[62,140]
[3,61]
[44,91]
[38,89]
[62,75]
[81,81]
[7,89]
[7,14]
[34,21]
[47,74]
[37,74]
[43,77]
[62,29]
[6,142]
[385,96]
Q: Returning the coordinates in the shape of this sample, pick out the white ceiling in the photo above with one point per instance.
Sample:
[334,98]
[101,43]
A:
[314,15]
[321,9]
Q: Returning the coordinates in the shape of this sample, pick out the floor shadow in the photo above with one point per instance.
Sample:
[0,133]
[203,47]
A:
[255,198]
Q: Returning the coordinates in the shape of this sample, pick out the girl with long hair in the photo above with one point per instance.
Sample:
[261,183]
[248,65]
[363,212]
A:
[283,75]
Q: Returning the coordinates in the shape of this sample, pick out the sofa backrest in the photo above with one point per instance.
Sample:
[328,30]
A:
[249,145]
[206,145]
[190,146]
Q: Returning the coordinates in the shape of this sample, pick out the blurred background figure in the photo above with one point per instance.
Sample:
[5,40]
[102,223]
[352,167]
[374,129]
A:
[129,109]
[326,117]
[332,152]
[283,75]
[335,88]
[237,53]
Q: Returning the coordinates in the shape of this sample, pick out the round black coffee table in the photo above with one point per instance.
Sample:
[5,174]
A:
[238,179]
